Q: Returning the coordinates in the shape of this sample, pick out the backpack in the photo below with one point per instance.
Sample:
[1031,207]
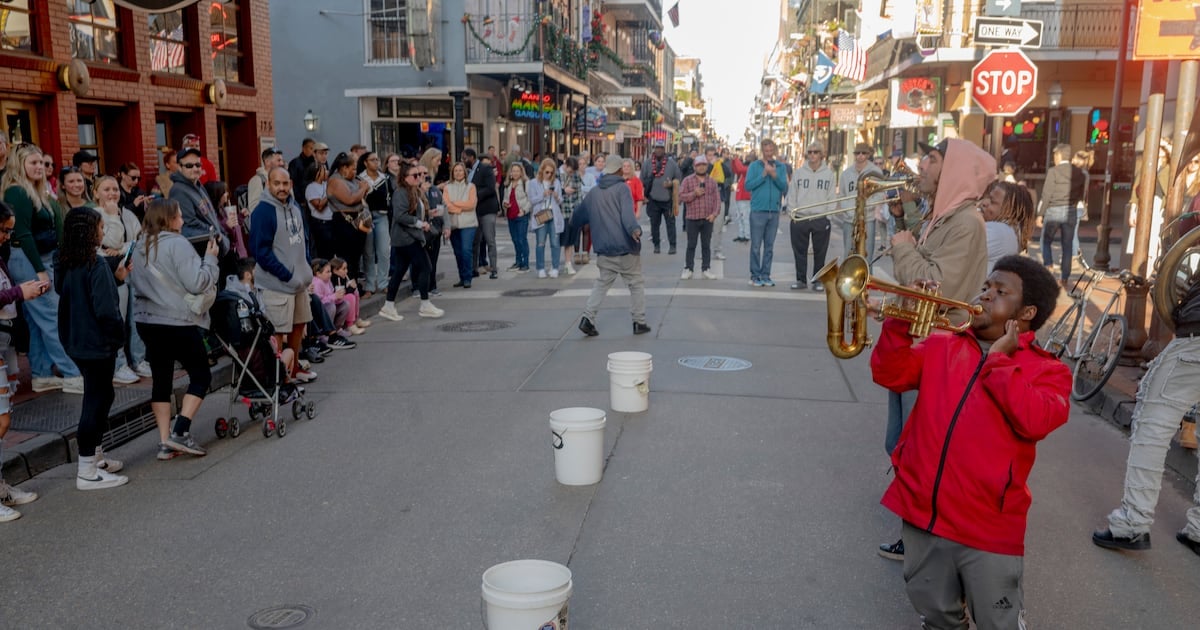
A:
[242,193]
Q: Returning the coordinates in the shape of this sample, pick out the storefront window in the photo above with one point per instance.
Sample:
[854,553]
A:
[168,48]
[226,52]
[16,26]
[1102,130]
[94,30]
[1024,141]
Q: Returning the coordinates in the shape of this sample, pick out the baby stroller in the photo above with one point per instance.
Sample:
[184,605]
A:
[245,334]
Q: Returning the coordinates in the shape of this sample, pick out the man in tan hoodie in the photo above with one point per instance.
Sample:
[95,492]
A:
[949,248]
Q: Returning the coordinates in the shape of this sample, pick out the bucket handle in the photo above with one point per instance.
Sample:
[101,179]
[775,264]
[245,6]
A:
[557,440]
[642,387]
[483,612]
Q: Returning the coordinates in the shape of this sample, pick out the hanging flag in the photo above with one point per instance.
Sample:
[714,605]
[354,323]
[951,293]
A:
[852,58]
[822,73]
[585,22]
[673,13]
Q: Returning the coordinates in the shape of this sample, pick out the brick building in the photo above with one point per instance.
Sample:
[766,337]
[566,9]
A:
[153,79]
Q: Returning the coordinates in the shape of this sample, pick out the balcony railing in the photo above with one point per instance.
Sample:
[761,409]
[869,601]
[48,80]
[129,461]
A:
[1078,26]
[512,37]
[655,5]
[605,60]
[642,77]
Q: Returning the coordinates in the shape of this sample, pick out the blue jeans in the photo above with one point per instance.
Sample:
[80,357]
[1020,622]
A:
[518,229]
[763,225]
[377,254]
[45,349]
[899,408]
[462,241]
[1059,223]
[544,233]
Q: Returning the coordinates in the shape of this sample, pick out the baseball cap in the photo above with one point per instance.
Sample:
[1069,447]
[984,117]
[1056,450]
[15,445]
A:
[188,151]
[320,146]
[659,143]
[613,164]
[939,147]
[700,159]
[83,157]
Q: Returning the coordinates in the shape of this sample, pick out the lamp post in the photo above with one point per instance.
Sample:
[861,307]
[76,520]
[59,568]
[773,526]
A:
[1055,94]
[311,122]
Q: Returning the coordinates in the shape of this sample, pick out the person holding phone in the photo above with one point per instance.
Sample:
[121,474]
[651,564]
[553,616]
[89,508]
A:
[121,229]
[703,206]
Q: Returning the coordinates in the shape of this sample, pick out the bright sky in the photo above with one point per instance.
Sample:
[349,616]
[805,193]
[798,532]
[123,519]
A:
[732,40]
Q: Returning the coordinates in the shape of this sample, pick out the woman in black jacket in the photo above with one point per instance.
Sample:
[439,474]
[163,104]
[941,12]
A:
[91,330]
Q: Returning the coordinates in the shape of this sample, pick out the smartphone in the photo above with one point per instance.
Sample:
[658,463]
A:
[128,257]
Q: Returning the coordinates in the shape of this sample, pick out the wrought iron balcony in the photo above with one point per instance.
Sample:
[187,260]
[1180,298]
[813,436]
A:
[605,60]
[513,37]
[641,76]
[1077,26]
[650,8]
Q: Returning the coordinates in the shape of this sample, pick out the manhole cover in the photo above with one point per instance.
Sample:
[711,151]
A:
[715,364]
[530,293]
[281,617]
[484,325]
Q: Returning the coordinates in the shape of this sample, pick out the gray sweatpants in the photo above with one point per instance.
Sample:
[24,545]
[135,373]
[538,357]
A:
[944,579]
[1168,390]
[629,267]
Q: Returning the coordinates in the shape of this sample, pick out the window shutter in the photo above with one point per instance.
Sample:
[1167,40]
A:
[423,18]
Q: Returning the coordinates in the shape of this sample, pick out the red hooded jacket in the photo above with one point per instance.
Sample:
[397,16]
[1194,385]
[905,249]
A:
[740,169]
[965,453]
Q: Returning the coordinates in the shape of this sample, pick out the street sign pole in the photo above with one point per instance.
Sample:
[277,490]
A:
[1102,257]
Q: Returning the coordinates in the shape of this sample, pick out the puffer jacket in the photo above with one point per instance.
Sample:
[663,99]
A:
[963,459]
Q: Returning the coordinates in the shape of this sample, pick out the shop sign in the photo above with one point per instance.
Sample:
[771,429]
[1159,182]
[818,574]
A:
[528,106]
[594,122]
[915,101]
[616,100]
[843,115]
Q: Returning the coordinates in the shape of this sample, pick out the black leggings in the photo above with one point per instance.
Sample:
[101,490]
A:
[348,244]
[413,258]
[433,248]
[167,344]
[98,397]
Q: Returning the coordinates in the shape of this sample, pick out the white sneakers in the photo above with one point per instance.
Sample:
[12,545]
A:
[571,269]
[708,275]
[356,330]
[73,385]
[125,376]
[10,496]
[554,273]
[143,369]
[686,275]
[46,383]
[389,312]
[429,310]
[541,273]
[91,477]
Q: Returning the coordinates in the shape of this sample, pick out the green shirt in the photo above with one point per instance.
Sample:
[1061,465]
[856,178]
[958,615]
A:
[31,220]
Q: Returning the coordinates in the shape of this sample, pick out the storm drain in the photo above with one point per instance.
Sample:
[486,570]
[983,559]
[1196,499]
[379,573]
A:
[291,616]
[482,325]
[529,293]
[715,364]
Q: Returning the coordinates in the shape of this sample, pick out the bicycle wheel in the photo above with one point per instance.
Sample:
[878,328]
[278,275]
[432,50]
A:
[1059,337]
[1099,357]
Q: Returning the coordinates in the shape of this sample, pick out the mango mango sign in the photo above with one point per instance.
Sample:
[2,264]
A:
[529,105]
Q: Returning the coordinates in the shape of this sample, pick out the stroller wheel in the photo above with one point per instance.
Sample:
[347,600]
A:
[297,410]
[310,409]
[235,427]
[221,427]
[282,430]
[268,428]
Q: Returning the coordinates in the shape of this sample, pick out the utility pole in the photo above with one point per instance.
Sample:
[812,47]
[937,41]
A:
[1135,305]
[1102,257]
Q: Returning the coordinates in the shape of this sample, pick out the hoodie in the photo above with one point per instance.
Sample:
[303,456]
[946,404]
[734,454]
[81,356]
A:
[608,209]
[812,187]
[952,249]
[277,243]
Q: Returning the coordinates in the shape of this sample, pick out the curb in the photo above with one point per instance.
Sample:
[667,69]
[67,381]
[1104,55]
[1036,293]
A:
[44,451]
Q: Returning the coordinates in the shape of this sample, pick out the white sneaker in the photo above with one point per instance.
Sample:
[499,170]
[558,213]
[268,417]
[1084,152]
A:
[106,464]
[389,312]
[125,376]
[101,481]
[708,275]
[553,273]
[719,256]
[8,514]
[73,385]
[304,364]
[355,330]
[143,369]
[11,496]
[304,376]
[571,269]
[686,275]
[429,310]
[541,273]
[47,383]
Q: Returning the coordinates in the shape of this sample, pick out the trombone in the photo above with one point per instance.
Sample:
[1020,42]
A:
[872,183]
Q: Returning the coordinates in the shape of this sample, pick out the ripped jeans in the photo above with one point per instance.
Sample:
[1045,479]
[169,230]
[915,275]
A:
[1168,390]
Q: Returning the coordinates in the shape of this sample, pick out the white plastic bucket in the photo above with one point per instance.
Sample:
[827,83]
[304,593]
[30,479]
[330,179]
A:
[578,440]
[629,381]
[526,595]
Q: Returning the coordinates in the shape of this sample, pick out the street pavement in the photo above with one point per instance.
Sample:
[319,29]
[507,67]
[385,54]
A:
[745,499]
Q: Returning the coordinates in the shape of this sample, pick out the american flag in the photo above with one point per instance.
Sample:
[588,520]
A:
[852,58]
[164,54]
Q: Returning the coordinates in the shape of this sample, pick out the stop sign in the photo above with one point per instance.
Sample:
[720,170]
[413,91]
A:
[1004,82]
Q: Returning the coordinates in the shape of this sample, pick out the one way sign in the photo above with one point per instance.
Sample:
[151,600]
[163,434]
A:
[1006,32]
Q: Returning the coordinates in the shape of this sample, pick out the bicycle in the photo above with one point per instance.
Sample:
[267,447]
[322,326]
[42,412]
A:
[1095,351]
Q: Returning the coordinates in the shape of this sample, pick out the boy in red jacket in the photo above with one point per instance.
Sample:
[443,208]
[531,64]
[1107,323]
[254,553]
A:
[985,398]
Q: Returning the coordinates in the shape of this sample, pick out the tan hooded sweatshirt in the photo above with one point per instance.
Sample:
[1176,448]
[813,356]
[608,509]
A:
[952,249]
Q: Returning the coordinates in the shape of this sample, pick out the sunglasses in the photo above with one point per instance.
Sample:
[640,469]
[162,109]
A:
[189,165]
[814,153]
[133,178]
[862,153]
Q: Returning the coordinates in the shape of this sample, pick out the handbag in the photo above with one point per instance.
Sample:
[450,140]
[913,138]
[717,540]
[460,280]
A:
[362,221]
[546,214]
[197,303]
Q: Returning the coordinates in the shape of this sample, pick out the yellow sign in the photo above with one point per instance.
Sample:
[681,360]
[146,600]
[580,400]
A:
[1167,29]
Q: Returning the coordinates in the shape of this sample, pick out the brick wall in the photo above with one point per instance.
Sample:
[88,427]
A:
[143,93]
